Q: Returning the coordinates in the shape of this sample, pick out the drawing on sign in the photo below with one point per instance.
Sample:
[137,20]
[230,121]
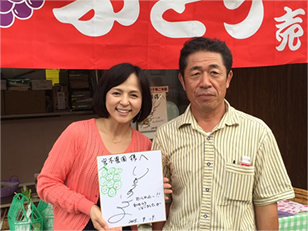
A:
[110,180]
[131,188]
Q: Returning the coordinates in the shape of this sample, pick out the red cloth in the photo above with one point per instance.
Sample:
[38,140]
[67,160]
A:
[98,36]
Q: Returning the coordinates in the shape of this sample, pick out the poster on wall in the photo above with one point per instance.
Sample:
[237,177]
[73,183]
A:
[158,115]
[131,188]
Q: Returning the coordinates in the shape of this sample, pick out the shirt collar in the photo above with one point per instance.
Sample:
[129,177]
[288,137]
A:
[230,118]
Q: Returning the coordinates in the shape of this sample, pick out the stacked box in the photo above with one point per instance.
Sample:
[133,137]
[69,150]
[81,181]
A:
[41,84]
[24,102]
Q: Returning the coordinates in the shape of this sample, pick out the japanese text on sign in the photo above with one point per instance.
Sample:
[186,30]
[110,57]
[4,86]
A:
[131,188]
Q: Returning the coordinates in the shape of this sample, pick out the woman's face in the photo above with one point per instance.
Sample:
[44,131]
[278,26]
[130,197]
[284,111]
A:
[123,102]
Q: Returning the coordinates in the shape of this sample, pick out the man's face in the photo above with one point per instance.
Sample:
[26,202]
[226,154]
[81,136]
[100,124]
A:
[205,81]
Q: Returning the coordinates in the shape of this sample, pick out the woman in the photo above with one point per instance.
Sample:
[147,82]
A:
[69,178]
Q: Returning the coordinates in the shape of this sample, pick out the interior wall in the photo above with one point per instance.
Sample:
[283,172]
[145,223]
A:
[278,95]
[25,144]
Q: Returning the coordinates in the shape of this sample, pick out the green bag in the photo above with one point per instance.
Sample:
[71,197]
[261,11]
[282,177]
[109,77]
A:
[46,210]
[23,214]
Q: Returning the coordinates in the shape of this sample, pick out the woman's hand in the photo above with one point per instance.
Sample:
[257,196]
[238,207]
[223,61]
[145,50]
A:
[96,216]
[167,187]
[98,222]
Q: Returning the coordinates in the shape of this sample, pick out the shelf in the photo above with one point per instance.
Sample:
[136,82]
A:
[6,201]
[50,114]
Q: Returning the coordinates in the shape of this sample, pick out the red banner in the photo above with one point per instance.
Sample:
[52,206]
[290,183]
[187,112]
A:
[96,34]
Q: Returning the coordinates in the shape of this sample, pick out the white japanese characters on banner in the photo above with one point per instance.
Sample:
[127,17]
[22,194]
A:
[131,188]
[289,30]
[105,17]
[97,34]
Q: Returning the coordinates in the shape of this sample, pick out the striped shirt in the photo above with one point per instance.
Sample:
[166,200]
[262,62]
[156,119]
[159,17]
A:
[211,190]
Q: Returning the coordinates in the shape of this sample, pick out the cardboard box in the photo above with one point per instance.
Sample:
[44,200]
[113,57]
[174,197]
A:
[41,84]
[24,102]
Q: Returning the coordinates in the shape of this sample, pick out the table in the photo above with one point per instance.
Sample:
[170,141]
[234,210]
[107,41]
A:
[297,222]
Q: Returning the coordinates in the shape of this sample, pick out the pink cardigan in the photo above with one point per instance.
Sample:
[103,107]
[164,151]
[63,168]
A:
[69,178]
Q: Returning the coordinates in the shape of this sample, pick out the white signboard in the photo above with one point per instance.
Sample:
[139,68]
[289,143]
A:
[131,188]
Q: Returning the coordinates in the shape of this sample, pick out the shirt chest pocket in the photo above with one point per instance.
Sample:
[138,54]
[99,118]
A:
[239,182]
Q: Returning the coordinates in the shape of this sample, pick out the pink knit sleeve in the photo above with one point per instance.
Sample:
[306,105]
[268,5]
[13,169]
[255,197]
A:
[51,181]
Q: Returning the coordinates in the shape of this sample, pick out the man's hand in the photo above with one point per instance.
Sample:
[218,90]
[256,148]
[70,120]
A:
[167,187]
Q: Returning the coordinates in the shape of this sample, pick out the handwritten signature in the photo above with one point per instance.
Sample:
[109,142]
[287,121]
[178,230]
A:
[131,191]
[120,216]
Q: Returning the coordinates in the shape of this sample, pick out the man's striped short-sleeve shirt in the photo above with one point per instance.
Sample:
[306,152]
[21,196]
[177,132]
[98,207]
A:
[211,190]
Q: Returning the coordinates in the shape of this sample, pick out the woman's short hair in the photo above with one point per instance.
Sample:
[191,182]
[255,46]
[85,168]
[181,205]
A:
[115,76]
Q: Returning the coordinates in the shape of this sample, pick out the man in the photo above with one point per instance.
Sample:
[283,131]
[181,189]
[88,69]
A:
[224,166]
